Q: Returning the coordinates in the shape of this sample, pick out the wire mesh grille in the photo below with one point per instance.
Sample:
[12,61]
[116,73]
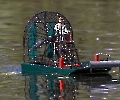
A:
[37,29]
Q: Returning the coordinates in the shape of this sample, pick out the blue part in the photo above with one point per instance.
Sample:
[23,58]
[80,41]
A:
[33,88]
[50,27]
[51,31]
[32,34]
[50,53]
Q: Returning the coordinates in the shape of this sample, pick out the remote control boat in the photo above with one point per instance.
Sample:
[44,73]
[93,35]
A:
[48,46]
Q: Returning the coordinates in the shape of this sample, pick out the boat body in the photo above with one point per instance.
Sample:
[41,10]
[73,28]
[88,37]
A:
[32,68]
[48,49]
[85,67]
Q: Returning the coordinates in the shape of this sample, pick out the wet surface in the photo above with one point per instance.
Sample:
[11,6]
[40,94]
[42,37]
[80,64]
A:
[96,29]
[73,87]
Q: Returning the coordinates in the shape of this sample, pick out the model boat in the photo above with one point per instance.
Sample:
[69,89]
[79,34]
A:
[48,46]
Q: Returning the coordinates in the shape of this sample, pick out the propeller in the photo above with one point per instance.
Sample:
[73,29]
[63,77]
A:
[40,42]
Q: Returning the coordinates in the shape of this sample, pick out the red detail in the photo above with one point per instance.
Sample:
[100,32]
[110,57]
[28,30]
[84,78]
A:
[67,65]
[61,62]
[60,22]
[77,65]
[96,57]
[68,37]
[60,96]
[61,84]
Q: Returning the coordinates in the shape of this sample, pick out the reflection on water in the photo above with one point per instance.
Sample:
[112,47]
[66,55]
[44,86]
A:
[74,87]
[49,87]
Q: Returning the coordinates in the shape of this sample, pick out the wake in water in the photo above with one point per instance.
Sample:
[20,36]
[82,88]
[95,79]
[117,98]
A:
[11,69]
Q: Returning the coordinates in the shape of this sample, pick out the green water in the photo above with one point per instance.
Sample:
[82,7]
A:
[95,25]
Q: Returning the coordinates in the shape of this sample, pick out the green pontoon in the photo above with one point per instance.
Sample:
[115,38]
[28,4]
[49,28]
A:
[49,47]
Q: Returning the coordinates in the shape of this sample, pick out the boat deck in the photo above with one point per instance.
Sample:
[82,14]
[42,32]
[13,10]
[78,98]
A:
[88,67]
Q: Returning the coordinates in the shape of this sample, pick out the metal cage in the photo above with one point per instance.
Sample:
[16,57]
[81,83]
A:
[41,42]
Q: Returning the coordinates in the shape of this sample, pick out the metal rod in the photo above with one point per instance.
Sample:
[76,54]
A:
[100,64]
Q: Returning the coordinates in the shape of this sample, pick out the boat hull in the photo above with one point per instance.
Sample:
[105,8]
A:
[31,68]
[36,69]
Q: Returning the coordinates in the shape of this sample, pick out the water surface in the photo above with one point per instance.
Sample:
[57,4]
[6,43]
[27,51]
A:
[96,29]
